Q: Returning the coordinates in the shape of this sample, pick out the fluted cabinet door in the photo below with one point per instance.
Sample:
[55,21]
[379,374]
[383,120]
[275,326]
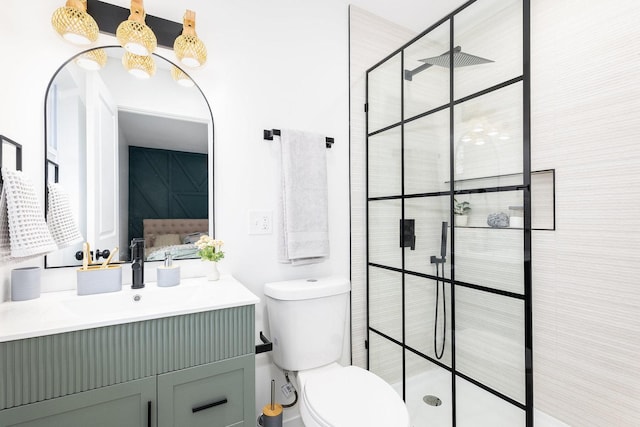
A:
[130,404]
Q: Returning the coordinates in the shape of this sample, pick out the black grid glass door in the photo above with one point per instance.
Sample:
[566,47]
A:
[448,219]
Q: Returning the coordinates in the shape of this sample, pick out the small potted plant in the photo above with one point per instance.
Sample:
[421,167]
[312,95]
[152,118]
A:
[210,250]
[461,211]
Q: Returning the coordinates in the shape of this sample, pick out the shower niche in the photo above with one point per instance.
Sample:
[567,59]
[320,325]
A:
[449,315]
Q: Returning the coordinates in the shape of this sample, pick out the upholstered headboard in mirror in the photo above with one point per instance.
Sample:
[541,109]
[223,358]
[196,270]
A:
[176,236]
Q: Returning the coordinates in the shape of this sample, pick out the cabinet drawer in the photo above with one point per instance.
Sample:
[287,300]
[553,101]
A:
[211,395]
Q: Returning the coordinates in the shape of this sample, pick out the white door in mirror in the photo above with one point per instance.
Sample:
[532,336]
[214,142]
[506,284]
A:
[103,204]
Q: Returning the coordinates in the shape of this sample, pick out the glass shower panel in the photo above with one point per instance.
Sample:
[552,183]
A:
[426,154]
[432,143]
[384,89]
[427,380]
[476,407]
[422,321]
[487,31]
[384,234]
[426,84]
[428,213]
[490,256]
[490,340]
[385,360]
[488,139]
[384,163]
[385,302]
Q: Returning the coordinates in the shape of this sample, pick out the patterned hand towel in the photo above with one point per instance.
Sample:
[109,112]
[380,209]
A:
[60,218]
[23,231]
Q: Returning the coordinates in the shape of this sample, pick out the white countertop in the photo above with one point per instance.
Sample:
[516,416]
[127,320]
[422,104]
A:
[57,312]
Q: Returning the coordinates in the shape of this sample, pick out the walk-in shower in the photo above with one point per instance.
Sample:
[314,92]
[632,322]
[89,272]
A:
[449,321]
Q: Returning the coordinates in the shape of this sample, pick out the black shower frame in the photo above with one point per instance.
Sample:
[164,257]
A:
[525,187]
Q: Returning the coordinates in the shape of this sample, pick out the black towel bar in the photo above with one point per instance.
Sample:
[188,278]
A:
[268,134]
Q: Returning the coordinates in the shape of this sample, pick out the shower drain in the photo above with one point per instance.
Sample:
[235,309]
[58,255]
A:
[432,400]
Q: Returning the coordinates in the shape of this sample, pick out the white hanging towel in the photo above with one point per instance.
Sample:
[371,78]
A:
[303,224]
[60,218]
[23,231]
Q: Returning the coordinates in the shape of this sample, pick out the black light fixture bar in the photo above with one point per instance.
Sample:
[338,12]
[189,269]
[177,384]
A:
[267,135]
[109,16]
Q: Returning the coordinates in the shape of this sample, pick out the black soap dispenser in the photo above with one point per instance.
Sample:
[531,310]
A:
[137,263]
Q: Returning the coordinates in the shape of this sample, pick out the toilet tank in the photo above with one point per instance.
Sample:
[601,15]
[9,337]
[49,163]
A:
[307,320]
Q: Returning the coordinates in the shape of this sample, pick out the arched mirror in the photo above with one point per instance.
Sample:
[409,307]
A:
[134,157]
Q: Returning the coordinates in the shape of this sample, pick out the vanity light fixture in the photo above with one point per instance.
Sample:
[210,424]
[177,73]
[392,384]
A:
[92,60]
[189,49]
[134,35]
[141,66]
[181,77]
[74,24]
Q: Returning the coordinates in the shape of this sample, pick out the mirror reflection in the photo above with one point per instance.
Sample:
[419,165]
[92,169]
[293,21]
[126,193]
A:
[134,156]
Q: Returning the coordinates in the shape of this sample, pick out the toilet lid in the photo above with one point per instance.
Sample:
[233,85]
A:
[353,397]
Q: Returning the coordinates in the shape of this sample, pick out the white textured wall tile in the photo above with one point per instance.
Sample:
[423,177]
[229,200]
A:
[385,302]
[585,124]
[371,39]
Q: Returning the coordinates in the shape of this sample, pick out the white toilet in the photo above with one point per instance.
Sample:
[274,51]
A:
[307,319]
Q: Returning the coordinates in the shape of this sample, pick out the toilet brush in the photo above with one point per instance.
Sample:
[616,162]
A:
[271,413]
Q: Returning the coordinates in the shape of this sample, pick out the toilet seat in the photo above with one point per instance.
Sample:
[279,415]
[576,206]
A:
[353,397]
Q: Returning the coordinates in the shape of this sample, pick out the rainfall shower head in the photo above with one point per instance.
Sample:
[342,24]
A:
[460,59]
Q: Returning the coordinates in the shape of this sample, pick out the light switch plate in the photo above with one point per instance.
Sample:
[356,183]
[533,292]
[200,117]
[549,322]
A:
[260,222]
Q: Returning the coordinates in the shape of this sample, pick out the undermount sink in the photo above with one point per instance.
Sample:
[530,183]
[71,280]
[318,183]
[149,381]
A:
[127,300]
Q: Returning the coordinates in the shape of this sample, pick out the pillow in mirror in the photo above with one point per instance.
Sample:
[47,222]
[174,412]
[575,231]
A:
[193,237]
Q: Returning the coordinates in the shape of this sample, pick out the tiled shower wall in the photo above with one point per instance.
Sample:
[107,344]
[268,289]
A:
[585,123]
[371,38]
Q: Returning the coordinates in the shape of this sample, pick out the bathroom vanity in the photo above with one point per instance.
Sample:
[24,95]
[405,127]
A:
[179,356]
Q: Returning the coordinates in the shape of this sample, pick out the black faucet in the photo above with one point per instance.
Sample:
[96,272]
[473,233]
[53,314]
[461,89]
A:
[137,263]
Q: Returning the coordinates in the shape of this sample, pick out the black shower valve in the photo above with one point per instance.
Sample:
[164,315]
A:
[408,234]
[104,254]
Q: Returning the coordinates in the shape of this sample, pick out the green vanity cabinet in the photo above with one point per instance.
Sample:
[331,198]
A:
[114,375]
[122,405]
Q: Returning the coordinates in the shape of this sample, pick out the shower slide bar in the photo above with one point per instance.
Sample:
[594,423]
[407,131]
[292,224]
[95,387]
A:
[267,135]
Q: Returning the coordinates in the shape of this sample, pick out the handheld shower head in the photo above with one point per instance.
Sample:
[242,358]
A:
[443,246]
[443,240]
